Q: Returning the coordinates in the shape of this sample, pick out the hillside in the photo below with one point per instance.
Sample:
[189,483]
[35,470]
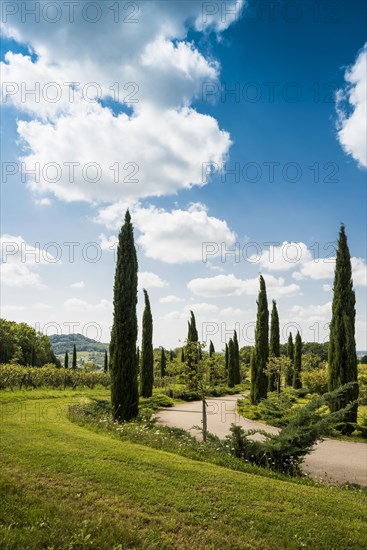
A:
[65,342]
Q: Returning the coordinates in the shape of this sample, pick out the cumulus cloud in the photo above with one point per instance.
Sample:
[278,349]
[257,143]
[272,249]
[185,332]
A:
[147,279]
[175,236]
[74,304]
[79,284]
[170,299]
[158,146]
[21,260]
[230,285]
[352,110]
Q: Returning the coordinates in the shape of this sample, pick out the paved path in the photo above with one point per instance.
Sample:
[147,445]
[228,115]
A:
[333,461]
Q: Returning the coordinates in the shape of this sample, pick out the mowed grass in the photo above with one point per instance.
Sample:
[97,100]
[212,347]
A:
[66,487]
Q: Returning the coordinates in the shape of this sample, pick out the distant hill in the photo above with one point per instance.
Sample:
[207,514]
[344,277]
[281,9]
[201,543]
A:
[65,342]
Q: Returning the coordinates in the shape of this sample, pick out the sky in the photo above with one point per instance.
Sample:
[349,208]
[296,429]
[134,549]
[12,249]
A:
[235,132]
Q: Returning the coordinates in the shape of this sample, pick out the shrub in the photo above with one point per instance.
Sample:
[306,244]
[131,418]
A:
[316,381]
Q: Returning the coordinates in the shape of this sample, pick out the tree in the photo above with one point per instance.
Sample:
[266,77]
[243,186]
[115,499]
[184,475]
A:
[211,348]
[260,353]
[123,364]
[74,357]
[290,355]
[33,357]
[237,373]
[105,367]
[297,382]
[193,352]
[171,355]
[274,347]
[364,360]
[66,360]
[182,355]
[146,375]
[226,359]
[163,363]
[231,363]
[342,345]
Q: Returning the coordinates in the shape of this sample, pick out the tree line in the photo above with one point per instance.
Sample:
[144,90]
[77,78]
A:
[266,364]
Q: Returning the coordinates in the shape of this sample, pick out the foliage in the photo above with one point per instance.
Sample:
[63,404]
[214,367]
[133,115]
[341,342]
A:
[236,350]
[276,367]
[22,344]
[64,342]
[297,365]
[342,348]
[274,347]
[231,363]
[285,451]
[312,361]
[13,376]
[362,381]
[123,363]
[316,381]
[260,353]
[146,373]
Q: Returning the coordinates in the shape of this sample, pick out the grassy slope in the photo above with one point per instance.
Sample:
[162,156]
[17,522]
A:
[67,487]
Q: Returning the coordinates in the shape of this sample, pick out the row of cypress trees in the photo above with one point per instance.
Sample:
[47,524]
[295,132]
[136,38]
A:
[123,351]
[342,360]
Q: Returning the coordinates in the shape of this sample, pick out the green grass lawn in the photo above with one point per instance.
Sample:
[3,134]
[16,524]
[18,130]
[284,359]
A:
[66,487]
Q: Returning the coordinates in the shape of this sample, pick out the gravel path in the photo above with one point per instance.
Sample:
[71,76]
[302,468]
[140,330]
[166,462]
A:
[333,461]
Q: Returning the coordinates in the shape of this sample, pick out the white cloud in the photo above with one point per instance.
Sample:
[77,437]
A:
[10,308]
[147,279]
[359,271]
[74,304]
[327,287]
[313,312]
[43,202]
[40,305]
[170,299]
[351,108]
[18,275]
[283,257]
[201,308]
[164,142]
[79,284]
[229,285]
[231,312]
[323,268]
[178,236]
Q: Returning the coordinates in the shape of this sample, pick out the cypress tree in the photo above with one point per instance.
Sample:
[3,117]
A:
[342,347]
[182,355]
[163,362]
[193,352]
[260,354]
[147,350]
[105,366]
[237,374]
[290,354]
[226,359]
[138,359]
[171,356]
[192,334]
[297,382]
[123,366]
[211,348]
[74,358]
[231,364]
[66,360]
[274,348]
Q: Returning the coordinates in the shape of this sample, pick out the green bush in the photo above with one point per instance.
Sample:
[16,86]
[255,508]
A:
[362,381]
[49,376]
[316,381]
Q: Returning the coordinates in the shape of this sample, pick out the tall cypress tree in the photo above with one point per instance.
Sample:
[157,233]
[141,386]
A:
[163,362]
[297,382]
[290,354]
[66,360]
[124,381]
[342,347]
[192,353]
[260,353]
[237,374]
[231,364]
[274,347]
[182,355]
[147,350]
[226,360]
[211,348]
[74,357]
[105,366]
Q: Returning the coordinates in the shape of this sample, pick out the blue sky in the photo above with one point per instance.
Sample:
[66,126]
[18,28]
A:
[180,59]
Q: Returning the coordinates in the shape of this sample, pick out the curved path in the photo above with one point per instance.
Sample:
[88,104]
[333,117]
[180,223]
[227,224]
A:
[331,460]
